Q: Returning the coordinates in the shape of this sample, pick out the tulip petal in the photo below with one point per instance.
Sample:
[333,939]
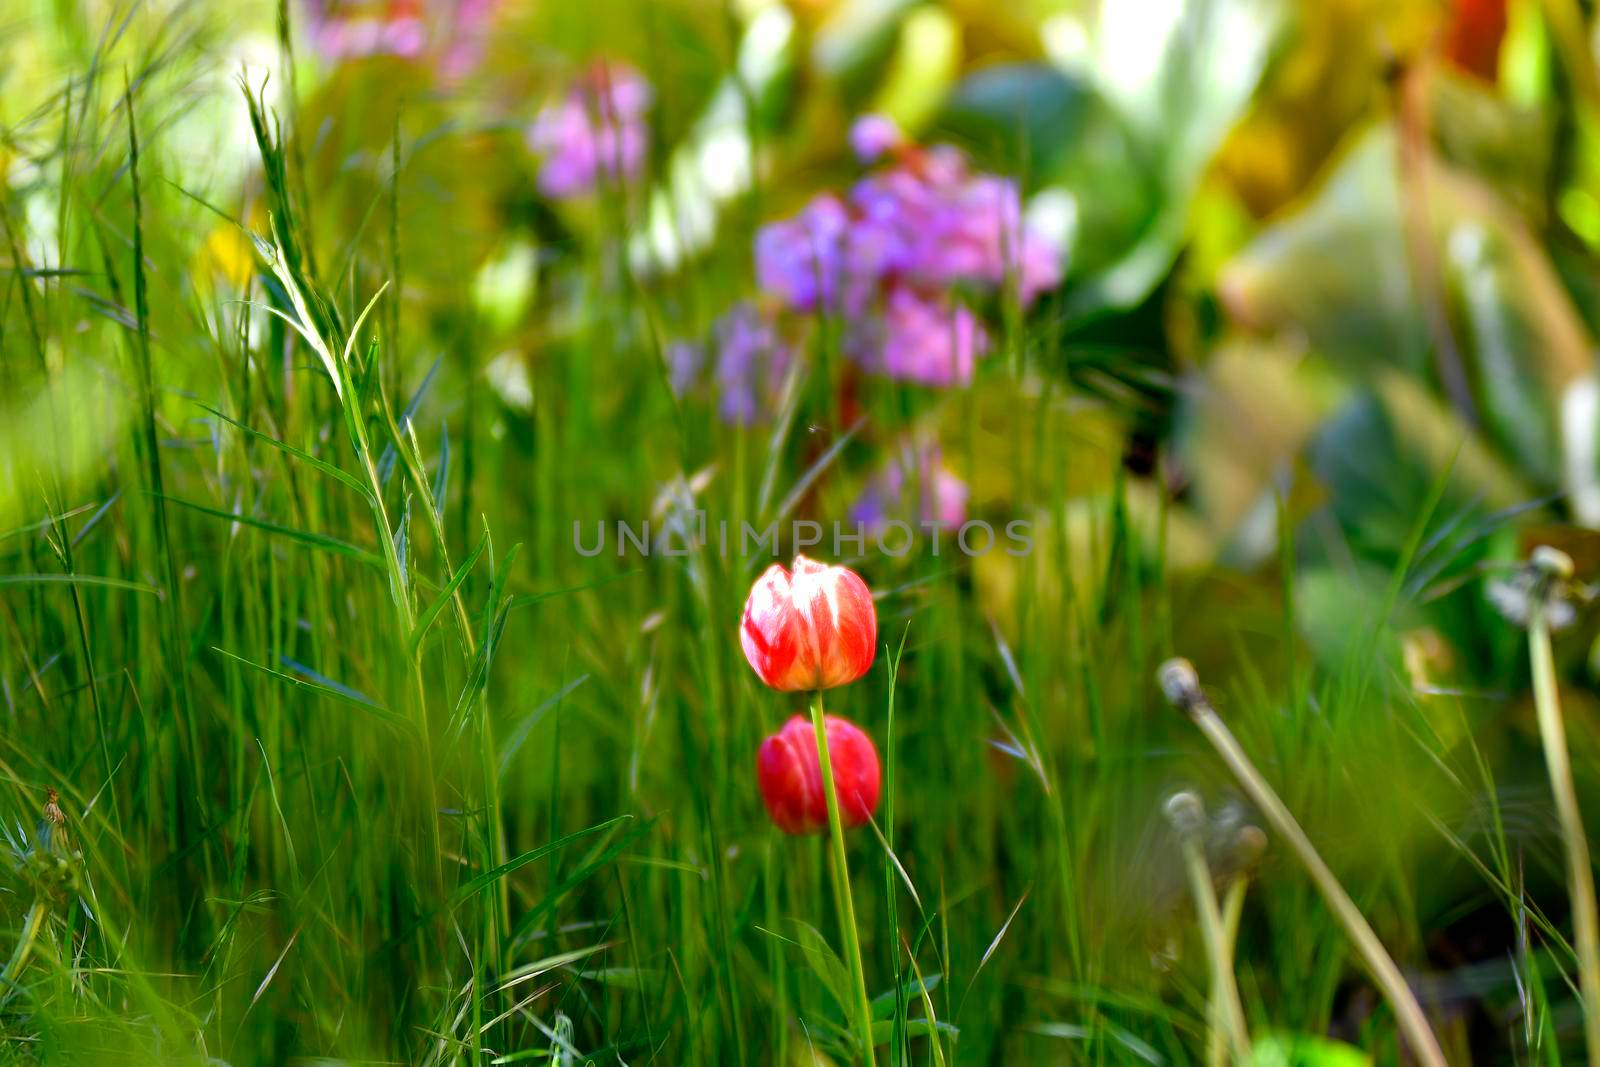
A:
[789,774]
[814,629]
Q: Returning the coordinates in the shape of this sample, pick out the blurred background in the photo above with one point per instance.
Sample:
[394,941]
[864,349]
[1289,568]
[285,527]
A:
[1272,322]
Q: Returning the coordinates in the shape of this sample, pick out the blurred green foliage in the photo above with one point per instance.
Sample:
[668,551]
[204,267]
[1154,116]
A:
[361,760]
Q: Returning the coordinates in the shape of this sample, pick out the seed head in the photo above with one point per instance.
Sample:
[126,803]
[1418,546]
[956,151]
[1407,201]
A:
[1180,684]
[52,809]
[1248,846]
[1186,813]
[1545,583]
[1551,562]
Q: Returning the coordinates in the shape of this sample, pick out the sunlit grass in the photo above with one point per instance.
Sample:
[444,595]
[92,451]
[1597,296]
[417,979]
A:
[359,758]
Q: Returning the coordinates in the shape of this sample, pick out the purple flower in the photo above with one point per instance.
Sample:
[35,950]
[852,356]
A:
[752,363]
[929,221]
[924,338]
[596,131]
[984,239]
[942,227]
[685,360]
[912,486]
[874,136]
[803,259]
[888,258]
[895,213]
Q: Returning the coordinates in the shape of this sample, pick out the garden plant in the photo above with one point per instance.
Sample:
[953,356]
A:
[800,532]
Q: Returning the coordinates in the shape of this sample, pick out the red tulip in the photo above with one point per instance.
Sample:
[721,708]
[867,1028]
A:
[814,629]
[790,775]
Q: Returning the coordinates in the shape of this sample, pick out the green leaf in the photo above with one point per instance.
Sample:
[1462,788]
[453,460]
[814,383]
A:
[634,979]
[344,696]
[883,1004]
[1015,115]
[305,537]
[426,619]
[582,873]
[77,579]
[820,957]
[487,878]
[326,468]
[883,1030]
[491,624]
[1384,449]
[350,341]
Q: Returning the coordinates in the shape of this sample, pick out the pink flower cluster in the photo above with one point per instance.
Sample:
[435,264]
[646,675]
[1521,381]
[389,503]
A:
[889,258]
[595,132]
[402,28]
[350,31]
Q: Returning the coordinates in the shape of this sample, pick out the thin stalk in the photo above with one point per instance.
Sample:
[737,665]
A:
[355,422]
[780,986]
[899,1047]
[433,510]
[841,885]
[187,739]
[1232,909]
[1225,1015]
[1183,688]
[1580,874]
[63,548]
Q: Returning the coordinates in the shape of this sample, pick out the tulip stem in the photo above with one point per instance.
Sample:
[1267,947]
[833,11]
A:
[1580,875]
[841,885]
[1183,689]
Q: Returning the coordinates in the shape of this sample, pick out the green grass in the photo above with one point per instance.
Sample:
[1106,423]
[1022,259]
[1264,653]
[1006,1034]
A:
[361,761]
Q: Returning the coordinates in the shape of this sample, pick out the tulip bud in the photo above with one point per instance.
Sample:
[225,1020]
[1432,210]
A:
[813,629]
[790,775]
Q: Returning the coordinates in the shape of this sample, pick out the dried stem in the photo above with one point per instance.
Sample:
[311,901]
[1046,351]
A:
[1552,565]
[1225,1015]
[1182,688]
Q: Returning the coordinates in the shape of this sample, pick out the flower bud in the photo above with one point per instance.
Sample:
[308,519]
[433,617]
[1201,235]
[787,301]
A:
[790,775]
[813,629]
